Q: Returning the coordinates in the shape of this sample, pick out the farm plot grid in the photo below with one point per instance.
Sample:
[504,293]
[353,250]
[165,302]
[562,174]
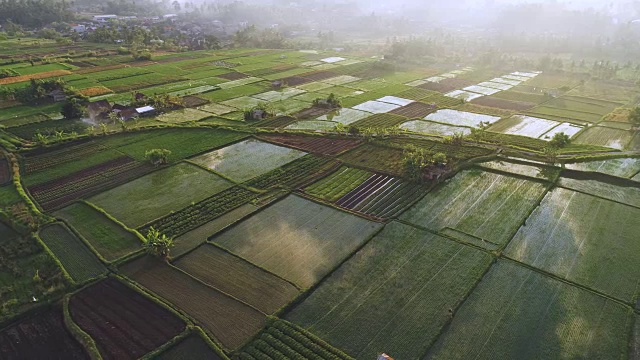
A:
[408,278]
[247,159]
[238,278]
[515,312]
[584,239]
[297,239]
[124,323]
[229,320]
[154,195]
[478,207]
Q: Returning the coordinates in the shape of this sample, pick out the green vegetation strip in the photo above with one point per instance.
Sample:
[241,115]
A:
[293,173]
[76,258]
[284,340]
[198,214]
[107,237]
[338,184]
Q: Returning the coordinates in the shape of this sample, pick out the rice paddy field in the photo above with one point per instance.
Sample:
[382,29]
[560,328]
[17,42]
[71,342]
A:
[481,208]
[303,233]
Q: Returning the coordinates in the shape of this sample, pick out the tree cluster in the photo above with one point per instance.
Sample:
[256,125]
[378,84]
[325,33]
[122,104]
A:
[33,13]
[417,161]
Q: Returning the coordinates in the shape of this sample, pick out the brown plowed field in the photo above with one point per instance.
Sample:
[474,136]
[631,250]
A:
[42,336]
[123,323]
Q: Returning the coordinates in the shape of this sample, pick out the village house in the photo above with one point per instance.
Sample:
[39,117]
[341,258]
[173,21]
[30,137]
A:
[99,110]
[58,95]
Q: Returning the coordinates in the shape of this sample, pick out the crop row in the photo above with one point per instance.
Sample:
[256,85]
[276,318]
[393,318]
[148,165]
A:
[139,82]
[35,163]
[381,196]
[63,191]
[198,214]
[278,122]
[380,121]
[338,184]
[504,104]
[442,101]
[283,340]
[294,173]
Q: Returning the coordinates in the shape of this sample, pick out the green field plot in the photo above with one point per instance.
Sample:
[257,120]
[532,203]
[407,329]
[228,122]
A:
[22,111]
[367,85]
[238,278]
[554,113]
[237,83]
[314,86]
[193,347]
[606,91]
[297,239]
[340,91]
[228,94]
[441,101]
[581,104]
[628,195]
[192,239]
[183,115]
[247,159]
[217,109]
[379,158]
[284,340]
[139,82]
[108,238]
[521,96]
[516,313]
[182,143]
[625,167]
[229,320]
[49,128]
[393,295]
[488,206]
[608,137]
[156,194]
[312,125]
[244,102]
[76,258]
[289,106]
[120,73]
[9,196]
[338,184]
[585,239]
